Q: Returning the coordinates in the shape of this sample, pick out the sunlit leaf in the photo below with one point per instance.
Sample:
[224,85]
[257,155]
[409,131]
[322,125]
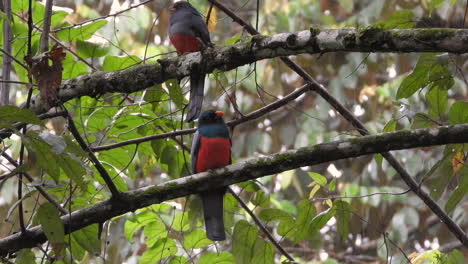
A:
[196,239]
[83,32]
[212,257]
[243,242]
[458,113]
[163,248]
[398,19]
[88,239]
[114,63]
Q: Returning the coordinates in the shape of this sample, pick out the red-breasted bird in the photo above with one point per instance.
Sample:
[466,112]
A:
[211,149]
[189,33]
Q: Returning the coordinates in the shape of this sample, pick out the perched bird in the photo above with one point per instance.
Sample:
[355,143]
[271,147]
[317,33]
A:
[211,149]
[189,33]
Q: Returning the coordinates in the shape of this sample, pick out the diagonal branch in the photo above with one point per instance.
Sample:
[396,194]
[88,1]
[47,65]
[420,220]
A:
[255,168]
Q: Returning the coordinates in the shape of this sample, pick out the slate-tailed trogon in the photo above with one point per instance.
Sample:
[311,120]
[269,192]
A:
[211,149]
[189,33]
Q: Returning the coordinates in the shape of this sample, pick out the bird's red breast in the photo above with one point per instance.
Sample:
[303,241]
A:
[213,153]
[185,43]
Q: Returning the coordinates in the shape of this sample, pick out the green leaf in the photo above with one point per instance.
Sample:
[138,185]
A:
[88,239]
[459,192]
[114,63]
[169,157]
[49,218]
[427,72]
[154,231]
[399,19]
[272,214]
[137,221]
[86,49]
[390,126]
[72,68]
[181,222]
[81,32]
[25,256]
[163,248]
[321,220]
[455,257]
[458,113]
[306,212]
[261,199]
[221,258]
[434,4]
[73,168]
[16,114]
[45,157]
[264,252]
[196,239]
[232,40]
[319,179]
[343,218]
[421,120]
[347,5]
[178,260]
[244,238]
[175,92]
[332,185]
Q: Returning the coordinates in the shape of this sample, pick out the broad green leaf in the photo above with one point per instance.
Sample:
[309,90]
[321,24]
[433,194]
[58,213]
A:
[332,185]
[154,231]
[343,218]
[46,159]
[88,239]
[319,179]
[398,19]
[86,49]
[421,120]
[83,32]
[114,63]
[428,71]
[137,221]
[460,192]
[178,260]
[455,257]
[73,168]
[196,239]
[434,4]
[181,222]
[437,98]
[306,212]
[458,113]
[16,114]
[264,252]
[175,92]
[321,220]
[163,248]
[271,214]
[232,40]
[72,68]
[169,157]
[221,258]
[261,198]
[25,256]
[390,126]
[57,143]
[244,238]
[49,218]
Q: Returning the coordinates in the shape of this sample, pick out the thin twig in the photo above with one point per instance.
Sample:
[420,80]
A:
[102,171]
[6,67]
[358,125]
[46,26]
[262,227]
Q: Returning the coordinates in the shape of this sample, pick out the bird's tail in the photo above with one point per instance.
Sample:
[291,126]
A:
[213,213]
[197,83]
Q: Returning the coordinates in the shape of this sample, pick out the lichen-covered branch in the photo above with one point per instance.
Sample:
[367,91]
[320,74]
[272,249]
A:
[225,58]
[240,172]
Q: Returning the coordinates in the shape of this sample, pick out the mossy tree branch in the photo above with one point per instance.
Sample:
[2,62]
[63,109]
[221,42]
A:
[224,58]
[240,172]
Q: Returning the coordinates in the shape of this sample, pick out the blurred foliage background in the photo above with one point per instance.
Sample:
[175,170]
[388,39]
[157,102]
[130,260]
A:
[373,227]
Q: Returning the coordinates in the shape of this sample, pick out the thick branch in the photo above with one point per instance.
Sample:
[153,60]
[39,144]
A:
[240,172]
[258,48]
